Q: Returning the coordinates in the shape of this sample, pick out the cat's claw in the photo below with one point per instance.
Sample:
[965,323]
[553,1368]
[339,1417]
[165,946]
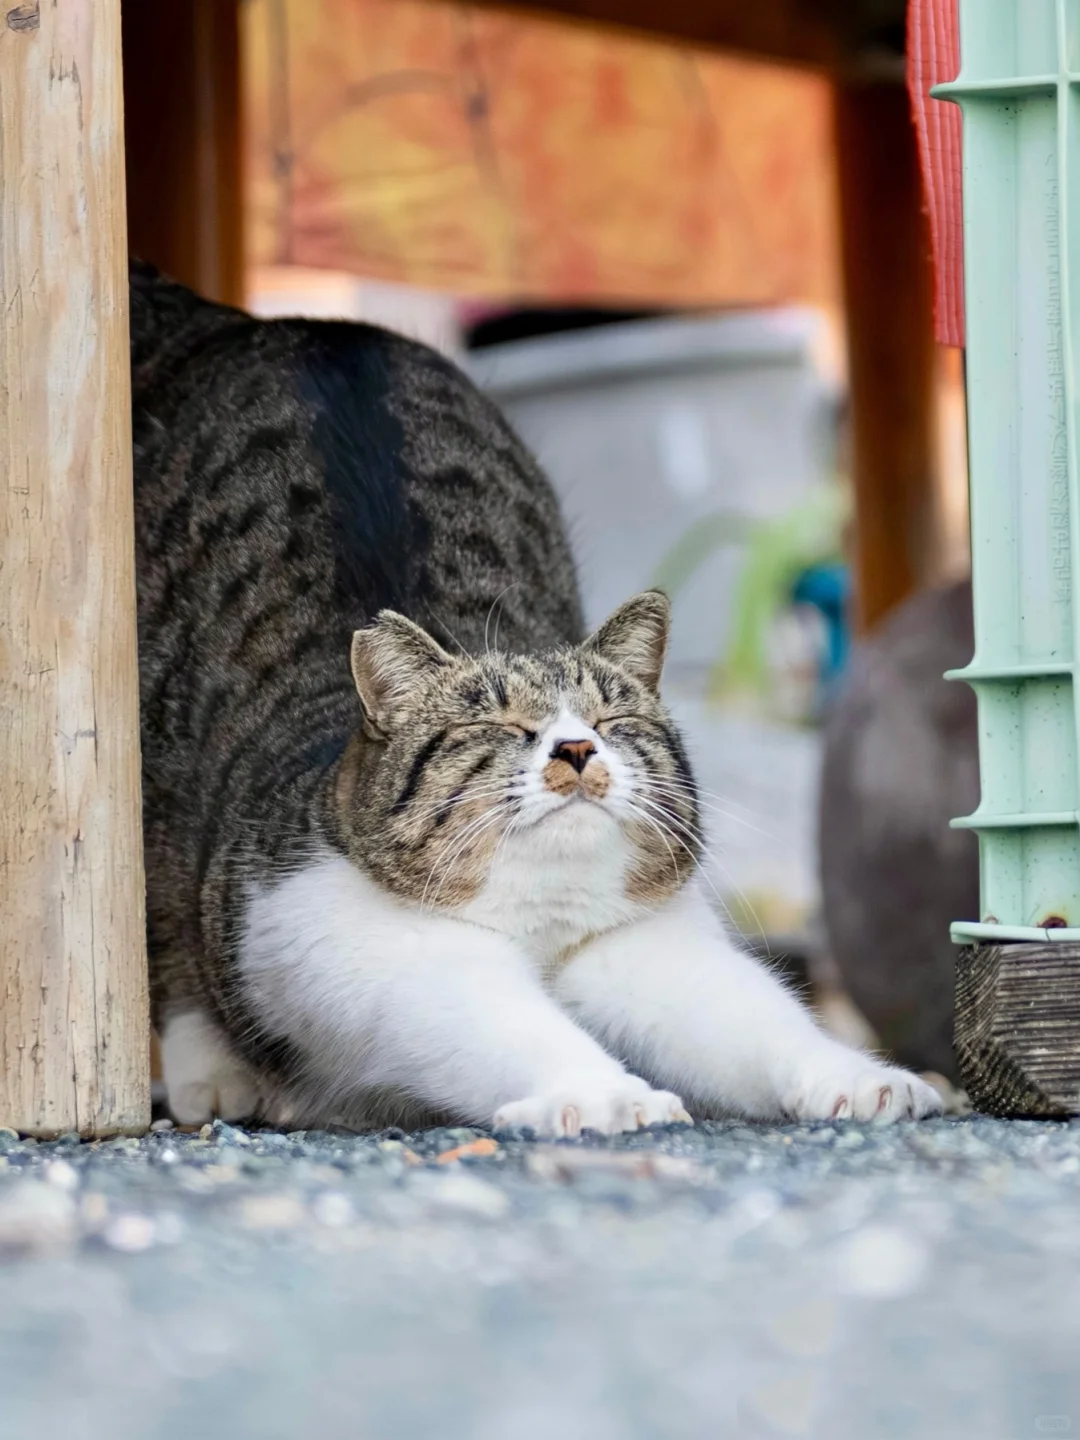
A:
[852,1087]
[608,1107]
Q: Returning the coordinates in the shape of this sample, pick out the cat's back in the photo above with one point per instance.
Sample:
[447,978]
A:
[363,465]
[295,477]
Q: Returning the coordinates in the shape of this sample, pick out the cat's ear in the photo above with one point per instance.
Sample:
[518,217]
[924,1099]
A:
[635,637]
[389,659]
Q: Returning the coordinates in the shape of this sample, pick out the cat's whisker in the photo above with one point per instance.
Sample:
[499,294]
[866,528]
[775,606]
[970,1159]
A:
[450,860]
[641,814]
[443,626]
[744,898]
[711,800]
[695,860]
[687,828]
[687,837]
[460,843]
[487,622]
[434,807]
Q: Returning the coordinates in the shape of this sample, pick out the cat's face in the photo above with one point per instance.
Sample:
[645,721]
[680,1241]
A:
[565,753]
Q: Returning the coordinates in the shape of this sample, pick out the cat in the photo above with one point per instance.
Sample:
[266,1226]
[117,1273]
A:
[417,847]
[901,760]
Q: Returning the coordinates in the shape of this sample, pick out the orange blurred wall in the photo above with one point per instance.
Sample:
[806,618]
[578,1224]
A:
[494,155]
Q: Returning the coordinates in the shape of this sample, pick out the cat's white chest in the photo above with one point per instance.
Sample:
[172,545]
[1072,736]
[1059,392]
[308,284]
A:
[559,888]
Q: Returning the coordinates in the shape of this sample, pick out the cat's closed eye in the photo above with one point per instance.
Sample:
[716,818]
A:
[608,722]
[506,727]
[523,731]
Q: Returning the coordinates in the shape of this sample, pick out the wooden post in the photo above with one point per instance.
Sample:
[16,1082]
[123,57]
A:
[182,104]
[888,285]
[74,1026]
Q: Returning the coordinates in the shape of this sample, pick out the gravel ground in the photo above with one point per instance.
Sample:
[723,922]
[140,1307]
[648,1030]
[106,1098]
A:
[833,1281]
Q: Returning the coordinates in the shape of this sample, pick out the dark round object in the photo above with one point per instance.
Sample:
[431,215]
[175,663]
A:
[901,761]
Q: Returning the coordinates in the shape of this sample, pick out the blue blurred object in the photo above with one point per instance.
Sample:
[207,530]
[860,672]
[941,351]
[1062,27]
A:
[828,589]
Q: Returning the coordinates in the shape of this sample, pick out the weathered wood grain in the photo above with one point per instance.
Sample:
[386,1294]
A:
[74,1030]
[1018,1028]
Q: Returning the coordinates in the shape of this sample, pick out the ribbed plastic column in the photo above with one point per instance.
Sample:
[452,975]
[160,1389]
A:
[1019,89]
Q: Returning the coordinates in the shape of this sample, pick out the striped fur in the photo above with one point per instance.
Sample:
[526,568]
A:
[295,480]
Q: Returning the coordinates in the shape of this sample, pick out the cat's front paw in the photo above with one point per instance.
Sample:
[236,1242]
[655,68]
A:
[605,1105]
[844,1085]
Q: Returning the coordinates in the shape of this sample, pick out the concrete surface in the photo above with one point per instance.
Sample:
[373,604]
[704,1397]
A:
[832,1281]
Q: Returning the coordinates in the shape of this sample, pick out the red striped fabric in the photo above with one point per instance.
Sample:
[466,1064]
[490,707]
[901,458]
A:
[933,50]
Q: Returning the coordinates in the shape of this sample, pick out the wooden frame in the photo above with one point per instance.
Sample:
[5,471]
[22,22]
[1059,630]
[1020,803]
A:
[182,127]
[74,1019]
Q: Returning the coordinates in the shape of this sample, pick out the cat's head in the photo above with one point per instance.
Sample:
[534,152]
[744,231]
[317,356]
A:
[566,753]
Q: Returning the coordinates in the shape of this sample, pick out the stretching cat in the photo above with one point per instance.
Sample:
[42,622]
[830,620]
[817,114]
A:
[461,881]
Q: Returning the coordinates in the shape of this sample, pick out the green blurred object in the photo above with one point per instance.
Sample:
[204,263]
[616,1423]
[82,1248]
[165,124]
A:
[777,553]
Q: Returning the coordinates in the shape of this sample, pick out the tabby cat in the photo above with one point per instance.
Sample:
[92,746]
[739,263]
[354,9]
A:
[415,847]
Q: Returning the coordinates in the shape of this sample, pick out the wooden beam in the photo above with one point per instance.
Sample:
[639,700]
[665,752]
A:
[820,34]
[888,291]
[74,1026]
[182,105]
[794,31]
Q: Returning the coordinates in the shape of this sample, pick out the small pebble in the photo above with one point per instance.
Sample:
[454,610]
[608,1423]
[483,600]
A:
[271,1212]
[850,1139]
[398,1151]
[470,1195]
[229,1134]
[882,1262]
[565,1162]
[333,1210]
[62,1175]
[36,1217]
[129,1233]
[159,1127]
[94,1210]
[168,1229]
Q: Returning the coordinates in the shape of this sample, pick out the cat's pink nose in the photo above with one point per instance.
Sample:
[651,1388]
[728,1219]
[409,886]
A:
[574,752]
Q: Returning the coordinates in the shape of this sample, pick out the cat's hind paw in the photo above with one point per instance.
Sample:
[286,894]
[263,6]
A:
[850,1086]
[609,1107]
[203,1077]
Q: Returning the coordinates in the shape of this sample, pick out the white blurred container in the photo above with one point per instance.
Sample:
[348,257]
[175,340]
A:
[647,427]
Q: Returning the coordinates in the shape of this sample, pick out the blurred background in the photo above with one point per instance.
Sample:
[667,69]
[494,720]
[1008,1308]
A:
[685,248]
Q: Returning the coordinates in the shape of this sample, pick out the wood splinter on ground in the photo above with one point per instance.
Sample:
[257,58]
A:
[1018,1028]
[475,1149]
